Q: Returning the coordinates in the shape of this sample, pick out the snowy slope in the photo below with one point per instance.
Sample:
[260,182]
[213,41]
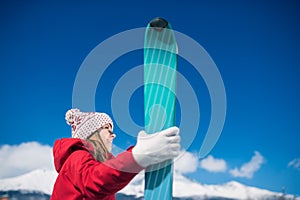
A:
[43,180]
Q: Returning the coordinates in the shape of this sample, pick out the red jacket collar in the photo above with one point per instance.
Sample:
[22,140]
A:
[63,148]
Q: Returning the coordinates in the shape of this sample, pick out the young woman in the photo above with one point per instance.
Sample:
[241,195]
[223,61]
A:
[87,170]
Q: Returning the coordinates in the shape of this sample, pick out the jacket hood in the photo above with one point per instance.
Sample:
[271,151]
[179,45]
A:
[63,148]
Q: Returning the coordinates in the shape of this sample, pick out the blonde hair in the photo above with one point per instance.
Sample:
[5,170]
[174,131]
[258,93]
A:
[99,152]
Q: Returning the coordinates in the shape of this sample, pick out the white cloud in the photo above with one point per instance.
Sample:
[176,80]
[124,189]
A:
[186,162]
[247,170]
[212,164]
[295,163]
[18,159]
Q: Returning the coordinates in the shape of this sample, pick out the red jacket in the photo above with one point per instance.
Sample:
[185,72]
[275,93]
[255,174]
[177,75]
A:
[82,177]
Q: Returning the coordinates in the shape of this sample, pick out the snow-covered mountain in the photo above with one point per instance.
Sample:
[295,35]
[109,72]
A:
[183,188]
[42,180]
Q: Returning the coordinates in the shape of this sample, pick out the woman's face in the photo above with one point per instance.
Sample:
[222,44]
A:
[107,136]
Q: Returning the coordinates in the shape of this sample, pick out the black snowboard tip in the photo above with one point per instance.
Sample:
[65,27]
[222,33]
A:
[158,23]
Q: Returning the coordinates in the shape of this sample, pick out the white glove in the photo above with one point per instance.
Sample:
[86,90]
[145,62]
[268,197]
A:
[158,147]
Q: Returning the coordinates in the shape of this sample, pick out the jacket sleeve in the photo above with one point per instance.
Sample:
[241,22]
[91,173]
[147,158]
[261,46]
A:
[96,179]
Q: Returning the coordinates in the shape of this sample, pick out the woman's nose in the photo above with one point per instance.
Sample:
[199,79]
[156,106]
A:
[113,135]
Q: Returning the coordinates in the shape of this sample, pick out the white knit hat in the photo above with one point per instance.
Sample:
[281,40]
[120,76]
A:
[85,123]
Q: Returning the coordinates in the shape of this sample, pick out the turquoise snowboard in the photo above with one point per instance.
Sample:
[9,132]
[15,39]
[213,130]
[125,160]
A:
[160,64]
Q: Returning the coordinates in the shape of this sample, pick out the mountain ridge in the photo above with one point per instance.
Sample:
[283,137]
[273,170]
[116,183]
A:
[42,180]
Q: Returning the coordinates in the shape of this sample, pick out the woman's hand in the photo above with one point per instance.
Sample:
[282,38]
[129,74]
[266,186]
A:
[158,147]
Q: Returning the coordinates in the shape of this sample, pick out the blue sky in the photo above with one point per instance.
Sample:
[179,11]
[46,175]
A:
[255,46]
